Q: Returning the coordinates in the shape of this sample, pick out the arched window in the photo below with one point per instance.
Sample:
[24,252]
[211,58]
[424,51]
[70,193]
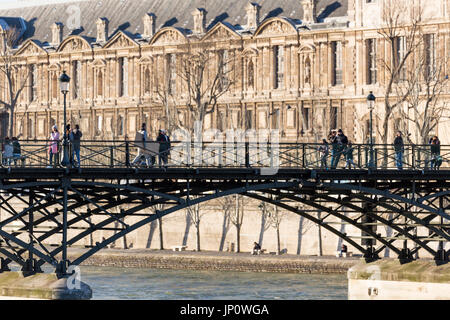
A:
[100,84]
[147,81]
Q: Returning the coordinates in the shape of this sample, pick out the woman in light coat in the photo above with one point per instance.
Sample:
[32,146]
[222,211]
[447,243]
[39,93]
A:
[53,149]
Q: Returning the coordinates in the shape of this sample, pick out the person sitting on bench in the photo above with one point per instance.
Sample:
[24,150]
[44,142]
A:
[256,248]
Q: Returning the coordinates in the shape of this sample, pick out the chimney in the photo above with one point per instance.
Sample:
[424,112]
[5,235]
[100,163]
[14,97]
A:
[149,20]
[199,15]
[57,34]
[102,30]
[252,15]
[309,11]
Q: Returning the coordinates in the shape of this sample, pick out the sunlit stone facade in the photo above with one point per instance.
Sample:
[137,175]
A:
[316,72]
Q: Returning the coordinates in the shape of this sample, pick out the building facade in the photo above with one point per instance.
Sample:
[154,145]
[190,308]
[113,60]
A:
[304,73]
[301,66]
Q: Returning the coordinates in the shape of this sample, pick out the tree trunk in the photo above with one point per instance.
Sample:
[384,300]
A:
[278,241]
[11,124]
[161,240]
[238,238]
[198,236]
[319,253]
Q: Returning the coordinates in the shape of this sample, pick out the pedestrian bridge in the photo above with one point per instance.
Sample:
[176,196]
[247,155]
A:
[60,202]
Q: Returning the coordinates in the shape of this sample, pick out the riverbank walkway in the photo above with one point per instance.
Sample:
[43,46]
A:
[215,261]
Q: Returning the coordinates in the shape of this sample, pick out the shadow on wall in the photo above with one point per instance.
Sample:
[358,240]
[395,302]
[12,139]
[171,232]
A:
[150,233]
[225,229]
[300,234]
[186,230]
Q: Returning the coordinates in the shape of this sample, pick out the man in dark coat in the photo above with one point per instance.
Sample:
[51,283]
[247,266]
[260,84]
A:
[399,149]
[340,145]
[164,147]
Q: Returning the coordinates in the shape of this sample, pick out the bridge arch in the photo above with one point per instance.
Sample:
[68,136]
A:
[82,193]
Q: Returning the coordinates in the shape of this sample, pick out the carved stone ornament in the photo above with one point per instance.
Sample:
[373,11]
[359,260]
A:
[221,33]
[169,36]
[30,49]
[277,28]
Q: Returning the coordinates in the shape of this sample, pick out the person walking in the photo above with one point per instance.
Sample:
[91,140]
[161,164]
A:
[334,147]
[75,139]
[141,150]
[53,149]
[436,159]
[16,150]
[341,143]
[323,153]
[164,148]
[7,153]
[349,156]
[399,149]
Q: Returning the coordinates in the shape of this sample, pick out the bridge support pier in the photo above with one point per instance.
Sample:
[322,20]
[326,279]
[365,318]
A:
[4,265]
[31,266]
[370,254]
[441,254]
[405,255]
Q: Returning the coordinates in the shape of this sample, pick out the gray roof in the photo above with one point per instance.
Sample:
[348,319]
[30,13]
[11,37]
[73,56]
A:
[126,15]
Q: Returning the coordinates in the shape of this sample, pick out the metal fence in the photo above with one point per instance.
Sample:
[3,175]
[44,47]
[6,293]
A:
[123,154]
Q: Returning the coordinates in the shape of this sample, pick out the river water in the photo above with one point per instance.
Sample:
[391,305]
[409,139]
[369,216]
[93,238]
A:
[160,284]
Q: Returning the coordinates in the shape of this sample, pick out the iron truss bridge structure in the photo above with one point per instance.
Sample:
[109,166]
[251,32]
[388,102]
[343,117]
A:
[108,192]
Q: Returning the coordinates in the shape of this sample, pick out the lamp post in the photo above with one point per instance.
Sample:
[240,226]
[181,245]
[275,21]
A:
[64,81]
[371,104]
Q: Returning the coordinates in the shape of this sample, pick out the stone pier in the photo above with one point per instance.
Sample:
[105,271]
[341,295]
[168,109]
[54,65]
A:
[47,286]
[388,279]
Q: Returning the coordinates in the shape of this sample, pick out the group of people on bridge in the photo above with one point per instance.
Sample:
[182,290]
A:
[341,146]
[337,144]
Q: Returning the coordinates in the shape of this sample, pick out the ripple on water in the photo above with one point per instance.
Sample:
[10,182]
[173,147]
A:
[130,283]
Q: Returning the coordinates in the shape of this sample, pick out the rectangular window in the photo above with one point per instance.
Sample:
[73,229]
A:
[123,77]
[248,119]
[306,118]
[76,76]
[171,64]
[430,56]
[276,119]
[336,47]
[278,57]
[334,118]
[99,123]
[223,67]
[32,83]
[221,120]
[371,61]
[399,56]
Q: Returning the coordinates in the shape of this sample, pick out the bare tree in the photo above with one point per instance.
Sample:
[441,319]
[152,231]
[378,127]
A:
[206,76]
[275,218]
[402,33]
[14,81]
[237,218]
[426,107]
[195,217]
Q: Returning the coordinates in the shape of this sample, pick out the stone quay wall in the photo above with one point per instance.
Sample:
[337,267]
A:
[211,261]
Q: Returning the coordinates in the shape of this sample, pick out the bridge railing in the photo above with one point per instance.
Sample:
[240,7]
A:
[123,154]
